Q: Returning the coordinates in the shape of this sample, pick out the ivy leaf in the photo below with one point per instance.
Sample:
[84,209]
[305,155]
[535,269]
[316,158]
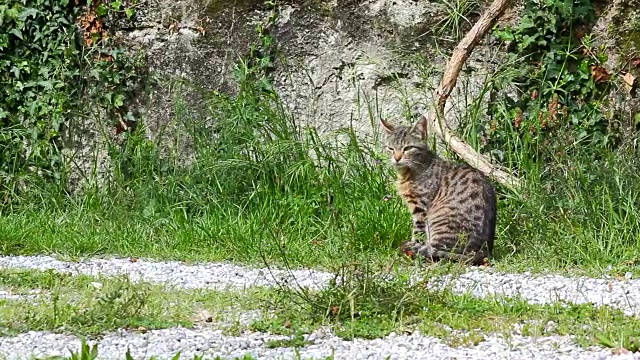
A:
[526,41]
[101,10]
[17,33]
[4,41]
[129,12]
[28,12]
[118,101]
[15,71]
[116,5]
[526,23]
[46,84]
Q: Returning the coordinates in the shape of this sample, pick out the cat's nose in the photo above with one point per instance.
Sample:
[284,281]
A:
[397,155]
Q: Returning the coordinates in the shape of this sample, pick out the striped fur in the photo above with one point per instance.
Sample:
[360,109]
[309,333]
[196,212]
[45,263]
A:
[453,206]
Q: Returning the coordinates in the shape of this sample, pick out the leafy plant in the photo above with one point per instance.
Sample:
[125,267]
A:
[553,98]
[49,77]
[38,78]
[87,352]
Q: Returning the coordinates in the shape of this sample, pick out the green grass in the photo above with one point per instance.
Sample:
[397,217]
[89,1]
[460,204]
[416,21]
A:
[583,216]
[262,189]
[366,303]
[85,305]
[369,305]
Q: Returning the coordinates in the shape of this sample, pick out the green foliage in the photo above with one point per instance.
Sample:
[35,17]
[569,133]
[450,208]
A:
[370,302]
[259,62]
[582,210]
[112,76]
[48,78]
[38,81]
[550,95]
[106,8]
[88,353]
[549,122]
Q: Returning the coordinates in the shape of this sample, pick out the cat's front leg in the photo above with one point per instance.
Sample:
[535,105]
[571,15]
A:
[420,234]
[420,227]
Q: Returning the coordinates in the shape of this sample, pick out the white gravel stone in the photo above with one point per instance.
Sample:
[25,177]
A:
[199,276]
[163,344]
[479,282]
[548,289]
[7,294]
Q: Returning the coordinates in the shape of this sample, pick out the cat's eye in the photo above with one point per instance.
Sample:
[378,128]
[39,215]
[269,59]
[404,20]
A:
[389,148]
[409,147]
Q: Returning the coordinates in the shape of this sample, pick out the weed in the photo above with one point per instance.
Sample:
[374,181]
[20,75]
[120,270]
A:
[87,305]
[456,18]
[369,303]
[297,340]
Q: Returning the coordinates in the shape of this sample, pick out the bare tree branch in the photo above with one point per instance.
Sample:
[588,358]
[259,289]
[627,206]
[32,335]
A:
[449,79]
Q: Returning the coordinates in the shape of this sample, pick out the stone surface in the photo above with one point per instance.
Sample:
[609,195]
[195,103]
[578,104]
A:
[341,63]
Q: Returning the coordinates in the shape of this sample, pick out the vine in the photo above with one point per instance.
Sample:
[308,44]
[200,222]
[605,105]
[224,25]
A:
[260,60]
[49,75]
[560,84]
[38,77]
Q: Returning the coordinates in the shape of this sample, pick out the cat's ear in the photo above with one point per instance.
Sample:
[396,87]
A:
[386,126]
[420,127]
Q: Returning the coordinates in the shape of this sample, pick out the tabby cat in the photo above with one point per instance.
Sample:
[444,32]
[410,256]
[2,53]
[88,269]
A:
[453,206]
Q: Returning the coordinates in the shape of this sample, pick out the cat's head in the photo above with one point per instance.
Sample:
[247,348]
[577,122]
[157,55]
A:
[406,144]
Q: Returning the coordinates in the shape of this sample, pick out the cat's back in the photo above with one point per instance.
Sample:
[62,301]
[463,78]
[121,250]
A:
[465,203]
[461,181]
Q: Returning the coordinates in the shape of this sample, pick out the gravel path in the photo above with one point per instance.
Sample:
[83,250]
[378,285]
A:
[539,289]
[200,276]
[549,289]
[211,343]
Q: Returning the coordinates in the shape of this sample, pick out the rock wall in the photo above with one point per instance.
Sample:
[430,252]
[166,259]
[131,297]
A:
[341,63]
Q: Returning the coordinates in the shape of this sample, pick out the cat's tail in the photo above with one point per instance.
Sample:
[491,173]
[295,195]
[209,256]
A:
[431,254]
[477,258]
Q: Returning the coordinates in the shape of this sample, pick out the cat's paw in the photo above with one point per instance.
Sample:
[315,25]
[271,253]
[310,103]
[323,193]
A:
[408,249]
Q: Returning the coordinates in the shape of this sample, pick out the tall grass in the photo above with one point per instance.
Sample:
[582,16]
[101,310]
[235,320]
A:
[260,186]
[576,211]
[578,206]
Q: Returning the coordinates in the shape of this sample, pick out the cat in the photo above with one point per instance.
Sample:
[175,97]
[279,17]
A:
[453,206]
